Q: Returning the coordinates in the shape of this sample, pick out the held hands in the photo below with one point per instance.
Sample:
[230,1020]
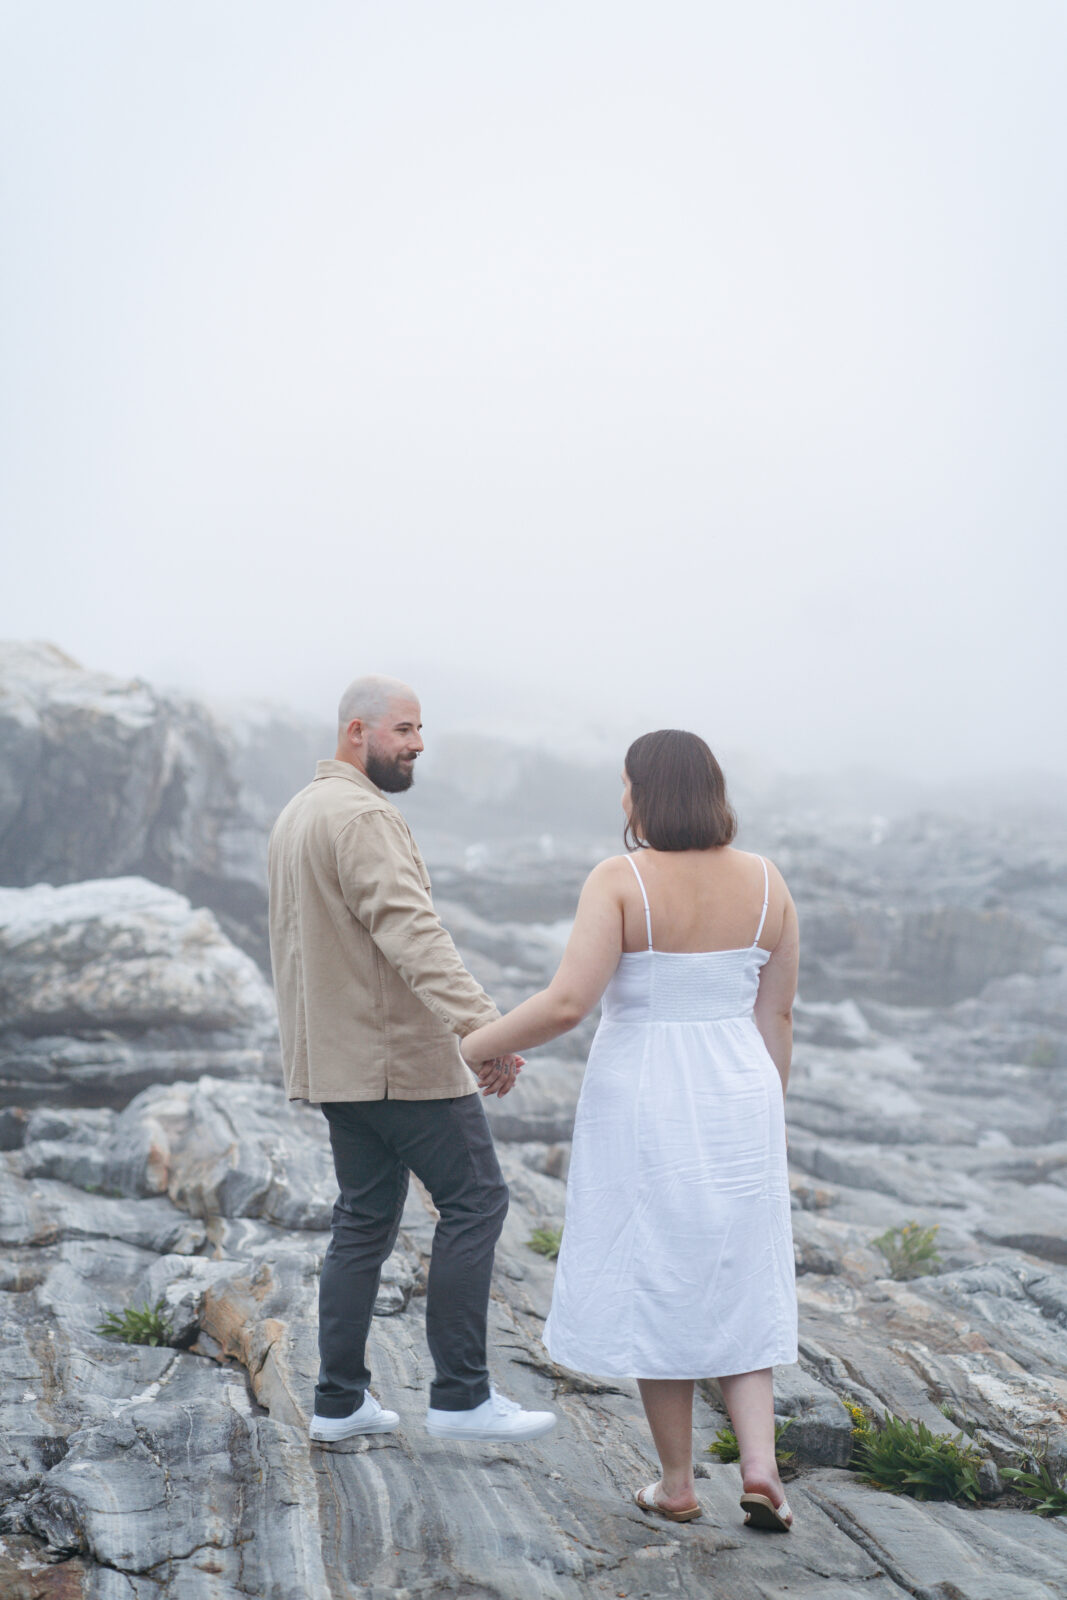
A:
[498,1075]
[495,1074]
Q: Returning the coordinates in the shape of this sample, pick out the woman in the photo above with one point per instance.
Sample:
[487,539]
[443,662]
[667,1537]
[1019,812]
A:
[677,1257]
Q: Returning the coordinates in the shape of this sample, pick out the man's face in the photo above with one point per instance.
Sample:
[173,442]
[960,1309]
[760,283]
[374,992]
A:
[393,746]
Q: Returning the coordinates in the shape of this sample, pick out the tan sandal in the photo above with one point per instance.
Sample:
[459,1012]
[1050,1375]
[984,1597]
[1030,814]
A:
[761,1512]
[646,1499]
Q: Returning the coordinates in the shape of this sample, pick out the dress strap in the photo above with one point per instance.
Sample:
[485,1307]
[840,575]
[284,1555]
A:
[766,898]
[644,897]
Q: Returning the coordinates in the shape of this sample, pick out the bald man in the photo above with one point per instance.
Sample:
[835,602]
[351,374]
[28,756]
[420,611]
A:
[373,1000]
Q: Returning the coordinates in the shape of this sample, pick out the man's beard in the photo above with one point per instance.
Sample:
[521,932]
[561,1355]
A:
[393,777]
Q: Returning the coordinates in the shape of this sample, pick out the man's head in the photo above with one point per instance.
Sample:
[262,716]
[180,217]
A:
[378,731]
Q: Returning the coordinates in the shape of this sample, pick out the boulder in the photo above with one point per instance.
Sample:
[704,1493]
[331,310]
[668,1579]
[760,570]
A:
[124,954]
[109,777]
[112,983]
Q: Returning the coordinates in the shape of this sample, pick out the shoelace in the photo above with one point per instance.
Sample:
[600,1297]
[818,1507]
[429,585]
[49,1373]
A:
[502,1404]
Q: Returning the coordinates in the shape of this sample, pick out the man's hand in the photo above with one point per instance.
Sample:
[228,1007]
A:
[498,1076]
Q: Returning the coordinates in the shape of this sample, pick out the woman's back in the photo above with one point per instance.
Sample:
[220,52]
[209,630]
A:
[701,901]
[705,980]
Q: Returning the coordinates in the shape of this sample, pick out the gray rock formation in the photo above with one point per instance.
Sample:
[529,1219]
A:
[101,777]
[185,1470]
[108,985]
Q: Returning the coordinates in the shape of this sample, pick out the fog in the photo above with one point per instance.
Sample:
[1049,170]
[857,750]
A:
[594,366]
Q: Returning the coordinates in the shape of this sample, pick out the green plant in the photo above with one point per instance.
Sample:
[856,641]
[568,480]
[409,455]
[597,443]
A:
[724,1445]
[861,1417]
[1043,1052]
[546,1241]
[907,1458]
[910,1251]
[137,1325]
[1037,1481]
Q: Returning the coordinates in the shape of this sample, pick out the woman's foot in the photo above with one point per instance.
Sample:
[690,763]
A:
[682,1507]
[764,1503]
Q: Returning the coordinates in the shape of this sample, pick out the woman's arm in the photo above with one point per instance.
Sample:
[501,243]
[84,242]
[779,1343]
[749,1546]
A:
[773,1011]
[591,956]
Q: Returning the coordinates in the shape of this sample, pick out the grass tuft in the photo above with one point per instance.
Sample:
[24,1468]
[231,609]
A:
[724,1446]
[910,1251]
[546,1241]
[907,1458]
[137,1325]
[1036,1481]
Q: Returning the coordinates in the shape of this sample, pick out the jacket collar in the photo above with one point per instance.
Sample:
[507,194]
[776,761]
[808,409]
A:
[345,769]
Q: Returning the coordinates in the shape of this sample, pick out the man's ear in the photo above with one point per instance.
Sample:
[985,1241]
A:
[354,731]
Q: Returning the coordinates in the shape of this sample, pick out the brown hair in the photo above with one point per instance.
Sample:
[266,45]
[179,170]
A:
[678,793]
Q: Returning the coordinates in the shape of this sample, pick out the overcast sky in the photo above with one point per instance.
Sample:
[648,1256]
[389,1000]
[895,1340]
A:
[595,365]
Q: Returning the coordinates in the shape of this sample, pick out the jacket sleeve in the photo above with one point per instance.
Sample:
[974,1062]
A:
[384,890]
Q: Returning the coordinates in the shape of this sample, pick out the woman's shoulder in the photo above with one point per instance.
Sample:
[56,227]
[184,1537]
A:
[611,872]
[773,871]
[612,867]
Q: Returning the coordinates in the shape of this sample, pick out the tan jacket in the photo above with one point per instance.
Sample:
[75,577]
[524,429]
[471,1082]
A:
[371,990]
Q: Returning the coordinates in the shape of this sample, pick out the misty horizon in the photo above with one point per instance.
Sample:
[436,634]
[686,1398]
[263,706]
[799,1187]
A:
[591,371]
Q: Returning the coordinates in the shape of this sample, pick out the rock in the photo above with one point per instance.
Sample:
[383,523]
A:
[121,953]
[108,984]
[191,1461]
[830,1023]
[41,1212]
[915,957]
[104,777]
[541,1107]
[820,1429]
[933,1550]
[190,1468]
[104,1071]
[12,1127]
[217,1149]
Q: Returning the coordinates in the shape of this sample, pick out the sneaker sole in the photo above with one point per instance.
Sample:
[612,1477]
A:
[351,1433]
[492,1435]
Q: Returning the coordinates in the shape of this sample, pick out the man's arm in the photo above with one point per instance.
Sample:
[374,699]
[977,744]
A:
[383,889]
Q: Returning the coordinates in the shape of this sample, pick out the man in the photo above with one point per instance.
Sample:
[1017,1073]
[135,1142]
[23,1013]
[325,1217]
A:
[372,1001]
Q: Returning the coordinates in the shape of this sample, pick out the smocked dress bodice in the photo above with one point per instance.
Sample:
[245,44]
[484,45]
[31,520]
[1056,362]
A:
[691,986]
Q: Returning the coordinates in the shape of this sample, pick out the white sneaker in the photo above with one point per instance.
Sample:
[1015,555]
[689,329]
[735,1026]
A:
[370,1418]
[497,1419]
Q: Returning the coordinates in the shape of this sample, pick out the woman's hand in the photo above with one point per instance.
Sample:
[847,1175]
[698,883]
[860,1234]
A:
[495,1074]
[498,1076]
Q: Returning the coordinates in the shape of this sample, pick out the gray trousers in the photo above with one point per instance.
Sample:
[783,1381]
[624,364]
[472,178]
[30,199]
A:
[447,1144]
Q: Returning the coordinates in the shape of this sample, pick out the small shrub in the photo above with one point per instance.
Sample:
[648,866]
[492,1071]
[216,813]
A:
[724,1446]
[906,1458]
[137,1325]
[546,1241]
[910,1251]
[1037,1481]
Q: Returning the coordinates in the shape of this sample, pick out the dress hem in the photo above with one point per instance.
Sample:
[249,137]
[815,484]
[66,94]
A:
[595,1370]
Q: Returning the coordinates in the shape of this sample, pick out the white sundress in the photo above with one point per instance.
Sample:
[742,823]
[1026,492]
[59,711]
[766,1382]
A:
[677,1253]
